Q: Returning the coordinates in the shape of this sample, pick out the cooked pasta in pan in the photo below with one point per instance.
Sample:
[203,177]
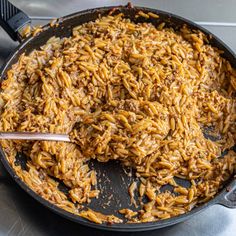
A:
[147,96]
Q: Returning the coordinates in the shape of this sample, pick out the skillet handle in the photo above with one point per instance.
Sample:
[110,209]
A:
[12,19]
[228,198]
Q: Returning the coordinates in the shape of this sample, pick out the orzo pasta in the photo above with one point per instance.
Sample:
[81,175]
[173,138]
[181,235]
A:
[133,92]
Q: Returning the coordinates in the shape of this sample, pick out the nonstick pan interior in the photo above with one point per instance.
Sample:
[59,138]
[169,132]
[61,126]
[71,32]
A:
[113,179]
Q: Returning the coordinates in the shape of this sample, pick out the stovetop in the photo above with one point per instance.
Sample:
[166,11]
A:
[22,215]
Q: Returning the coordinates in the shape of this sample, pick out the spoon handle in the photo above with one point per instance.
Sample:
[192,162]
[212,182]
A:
[34,136]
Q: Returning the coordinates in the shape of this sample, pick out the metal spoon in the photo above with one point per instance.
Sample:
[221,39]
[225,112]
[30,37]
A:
[34,136]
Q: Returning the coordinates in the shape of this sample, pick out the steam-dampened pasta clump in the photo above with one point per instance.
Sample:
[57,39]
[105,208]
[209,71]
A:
[147,96]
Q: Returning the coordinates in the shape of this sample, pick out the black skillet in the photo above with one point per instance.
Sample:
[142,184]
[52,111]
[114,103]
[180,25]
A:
[113,179]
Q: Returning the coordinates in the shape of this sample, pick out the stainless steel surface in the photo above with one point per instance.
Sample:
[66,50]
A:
[21,215]
[34,136]
[198,10]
